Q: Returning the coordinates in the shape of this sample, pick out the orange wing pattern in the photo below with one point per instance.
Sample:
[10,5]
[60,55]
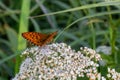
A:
[38,39]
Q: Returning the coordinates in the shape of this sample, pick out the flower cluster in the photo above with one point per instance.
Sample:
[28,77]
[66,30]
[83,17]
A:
[58,61]
[104,49]
[112,74]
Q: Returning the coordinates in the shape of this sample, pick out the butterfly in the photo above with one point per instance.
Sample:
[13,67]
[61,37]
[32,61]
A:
[39,39]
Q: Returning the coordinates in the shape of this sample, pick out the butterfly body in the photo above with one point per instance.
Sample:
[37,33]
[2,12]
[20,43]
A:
[38,39]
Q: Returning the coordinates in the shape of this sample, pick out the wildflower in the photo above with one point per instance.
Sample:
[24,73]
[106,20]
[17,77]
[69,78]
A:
[104,49]
[58,61]
[112,74]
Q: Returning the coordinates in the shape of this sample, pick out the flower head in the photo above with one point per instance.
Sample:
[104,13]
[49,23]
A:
[58,61]
[112,74]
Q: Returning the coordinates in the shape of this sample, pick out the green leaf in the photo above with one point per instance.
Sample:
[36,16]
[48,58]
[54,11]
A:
[12,36]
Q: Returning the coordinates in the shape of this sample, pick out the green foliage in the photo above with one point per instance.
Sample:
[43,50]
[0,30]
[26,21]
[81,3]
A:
[79,22]
[23,27]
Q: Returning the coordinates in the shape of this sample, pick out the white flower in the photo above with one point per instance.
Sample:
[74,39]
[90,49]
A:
[103,78]
[104,49]
[58,61]
[112,74]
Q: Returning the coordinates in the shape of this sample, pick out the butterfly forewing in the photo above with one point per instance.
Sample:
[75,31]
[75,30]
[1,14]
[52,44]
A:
[38,39]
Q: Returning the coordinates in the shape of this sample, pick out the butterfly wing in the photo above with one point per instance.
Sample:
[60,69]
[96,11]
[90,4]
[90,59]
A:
[35,37]
[50,38]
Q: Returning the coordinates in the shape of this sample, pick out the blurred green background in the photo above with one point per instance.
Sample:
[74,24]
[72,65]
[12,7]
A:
[90,23]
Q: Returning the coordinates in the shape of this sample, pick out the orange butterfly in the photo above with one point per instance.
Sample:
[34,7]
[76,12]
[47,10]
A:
[38,39]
